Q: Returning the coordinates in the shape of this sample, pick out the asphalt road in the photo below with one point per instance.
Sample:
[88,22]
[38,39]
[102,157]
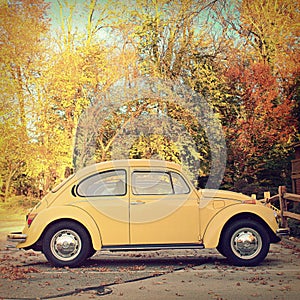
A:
[184,274]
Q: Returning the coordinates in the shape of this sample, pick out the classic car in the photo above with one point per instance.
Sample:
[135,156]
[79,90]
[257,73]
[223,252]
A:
[143,205]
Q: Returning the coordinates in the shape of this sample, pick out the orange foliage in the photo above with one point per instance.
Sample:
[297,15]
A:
[264,119]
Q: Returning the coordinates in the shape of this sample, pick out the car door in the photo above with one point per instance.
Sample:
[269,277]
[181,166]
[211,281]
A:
[163,208]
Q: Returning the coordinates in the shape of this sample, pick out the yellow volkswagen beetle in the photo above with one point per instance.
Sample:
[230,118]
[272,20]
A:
[144,205]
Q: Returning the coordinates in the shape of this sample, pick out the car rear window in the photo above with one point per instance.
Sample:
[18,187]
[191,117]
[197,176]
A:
[107,183]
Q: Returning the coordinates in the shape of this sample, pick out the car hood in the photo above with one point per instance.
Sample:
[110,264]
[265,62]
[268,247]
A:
[209,194]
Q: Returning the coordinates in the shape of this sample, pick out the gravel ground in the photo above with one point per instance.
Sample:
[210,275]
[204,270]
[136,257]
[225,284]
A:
[184,274]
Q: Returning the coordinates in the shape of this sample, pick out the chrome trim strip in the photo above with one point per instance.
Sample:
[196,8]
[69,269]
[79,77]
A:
[152,247]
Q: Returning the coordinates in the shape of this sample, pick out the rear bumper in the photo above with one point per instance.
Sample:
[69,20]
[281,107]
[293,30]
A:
[283,232]
[16,237]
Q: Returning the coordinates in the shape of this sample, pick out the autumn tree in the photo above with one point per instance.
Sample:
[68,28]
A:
[23,27]
[261,127]
[266,31]
[80,66]
[144,78]
[23,32]
[169,45]
[170,35]
[137,118]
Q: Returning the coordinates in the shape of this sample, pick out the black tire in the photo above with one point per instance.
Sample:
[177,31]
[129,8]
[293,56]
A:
[66,244]
[91,253]
[245,243]
[220,250]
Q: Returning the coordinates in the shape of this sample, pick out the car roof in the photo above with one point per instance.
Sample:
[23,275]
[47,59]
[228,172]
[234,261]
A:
[147,163]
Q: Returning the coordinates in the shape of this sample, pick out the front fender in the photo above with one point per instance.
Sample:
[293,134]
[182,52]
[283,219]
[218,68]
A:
[53,214]
[214,228]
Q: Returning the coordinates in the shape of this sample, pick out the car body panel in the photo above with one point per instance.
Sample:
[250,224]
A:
[164,219]
[112,218]
[195,217]
[172,222]
[56,213]
[213,225]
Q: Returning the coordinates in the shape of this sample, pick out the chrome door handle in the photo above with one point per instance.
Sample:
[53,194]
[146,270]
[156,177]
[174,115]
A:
[137,202]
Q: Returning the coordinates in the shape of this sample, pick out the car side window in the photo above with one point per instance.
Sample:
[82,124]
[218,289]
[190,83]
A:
[179,184]
[151,183]
[108,183]
[158,183]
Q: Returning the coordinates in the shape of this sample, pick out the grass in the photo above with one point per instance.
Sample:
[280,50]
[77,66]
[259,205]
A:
[10,222]
[12,214]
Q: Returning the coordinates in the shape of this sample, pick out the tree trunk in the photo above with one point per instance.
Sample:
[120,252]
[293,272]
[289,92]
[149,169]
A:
[7,185]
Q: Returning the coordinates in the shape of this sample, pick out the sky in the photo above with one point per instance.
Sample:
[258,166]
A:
[79,19]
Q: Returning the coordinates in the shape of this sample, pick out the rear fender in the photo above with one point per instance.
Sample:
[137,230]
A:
[60,213]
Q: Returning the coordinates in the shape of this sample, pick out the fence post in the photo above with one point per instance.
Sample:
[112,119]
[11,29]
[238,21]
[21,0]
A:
[283,205]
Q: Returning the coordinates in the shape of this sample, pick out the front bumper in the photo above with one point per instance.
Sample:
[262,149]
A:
[16,237]
[283,232]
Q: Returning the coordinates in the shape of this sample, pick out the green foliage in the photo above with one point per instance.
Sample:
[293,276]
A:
[155,146]
[18,205]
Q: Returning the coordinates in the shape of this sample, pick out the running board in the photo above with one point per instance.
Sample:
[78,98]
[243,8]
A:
[152,247]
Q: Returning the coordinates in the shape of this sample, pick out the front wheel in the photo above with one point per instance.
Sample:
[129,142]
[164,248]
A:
[66,244]
[245,243]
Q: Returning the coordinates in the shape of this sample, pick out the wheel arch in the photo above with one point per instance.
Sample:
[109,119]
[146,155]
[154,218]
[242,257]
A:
[38,244]
[221,221]
[43,222]
[253,217]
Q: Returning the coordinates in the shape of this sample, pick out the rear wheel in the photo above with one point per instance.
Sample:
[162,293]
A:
[245,243]
[66,244]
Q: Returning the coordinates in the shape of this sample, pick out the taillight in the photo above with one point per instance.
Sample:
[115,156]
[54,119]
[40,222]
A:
[30,217]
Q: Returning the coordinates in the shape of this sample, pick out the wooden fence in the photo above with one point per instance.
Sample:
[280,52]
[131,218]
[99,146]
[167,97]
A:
[284,198]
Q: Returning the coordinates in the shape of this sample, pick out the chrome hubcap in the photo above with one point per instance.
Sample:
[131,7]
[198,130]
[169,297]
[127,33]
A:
[66,245]
[246,243]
